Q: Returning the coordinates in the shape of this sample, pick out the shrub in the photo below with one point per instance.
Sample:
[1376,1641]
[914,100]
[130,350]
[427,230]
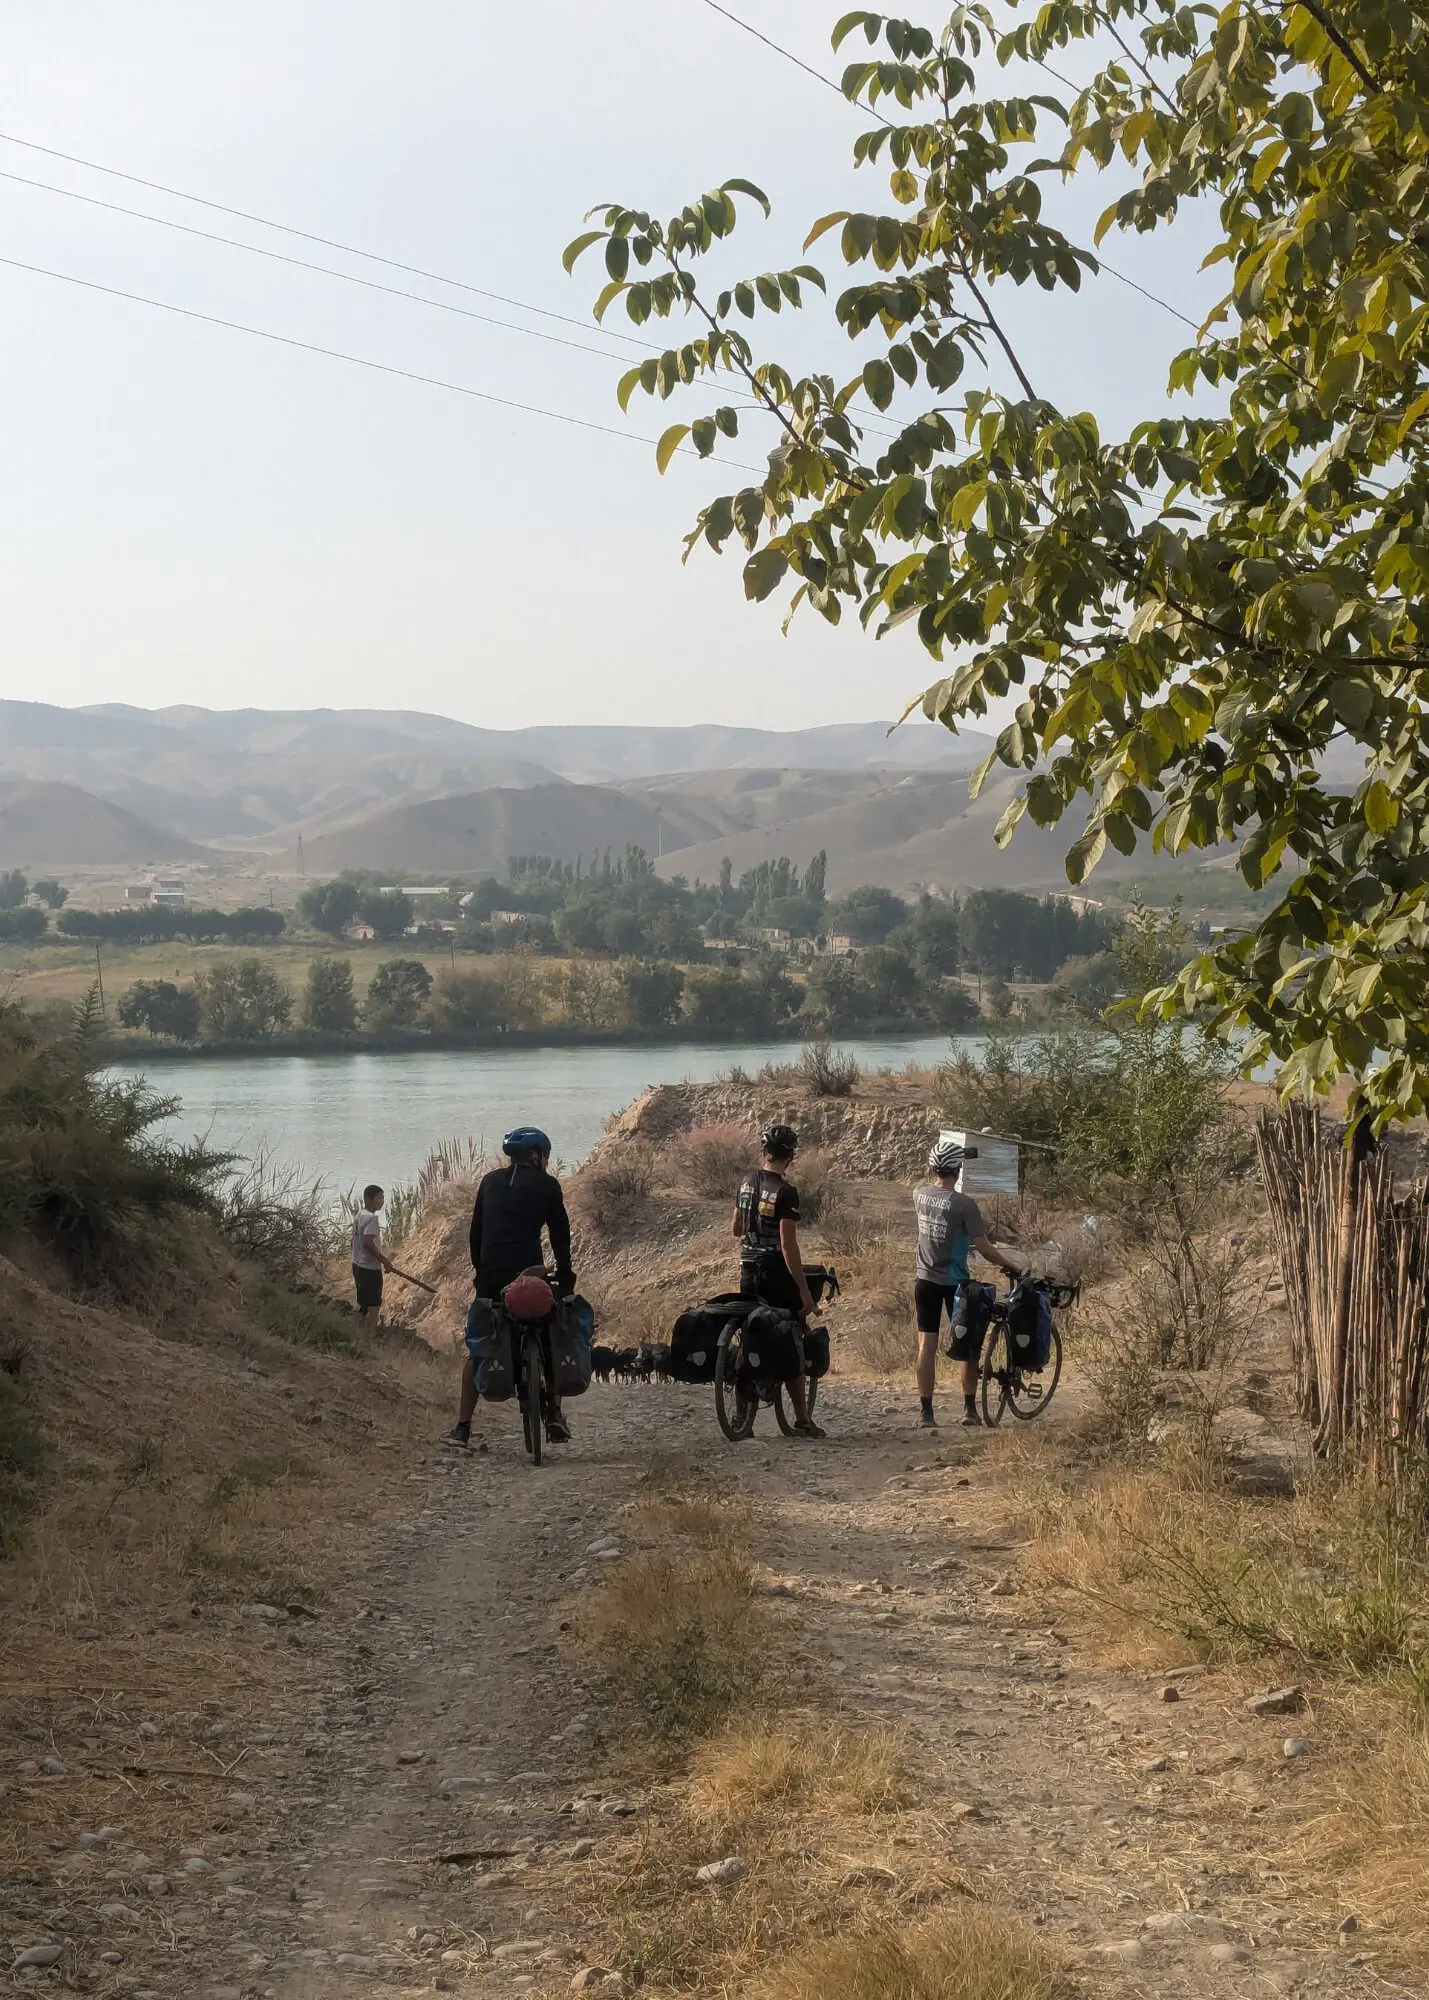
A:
[397,994]
[828,1071]
[14,887]
[820,1192]
[971,1956]
[270,1213]
[162,1008]
[651,990]
[51,893]
[23,925]
[242,999]
[617,1183]
[329,1003]
[387,911]
[329,906]
[712,1159]
[465,1002]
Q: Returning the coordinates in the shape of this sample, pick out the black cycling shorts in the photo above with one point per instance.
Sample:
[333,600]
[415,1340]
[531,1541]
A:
[773,1284]
[929,1299]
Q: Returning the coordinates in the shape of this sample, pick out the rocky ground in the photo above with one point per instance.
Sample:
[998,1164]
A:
[431,1796]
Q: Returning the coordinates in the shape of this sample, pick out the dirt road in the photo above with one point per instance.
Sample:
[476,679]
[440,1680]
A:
[441,1815]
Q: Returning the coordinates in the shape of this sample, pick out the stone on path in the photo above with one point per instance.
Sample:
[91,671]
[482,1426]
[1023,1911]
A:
[38,1955]
[1275,1701]
[730,1869]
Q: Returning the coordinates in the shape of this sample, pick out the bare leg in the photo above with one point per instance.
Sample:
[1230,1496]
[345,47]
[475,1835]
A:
[970,1369]
[927,1363]
[798,1388]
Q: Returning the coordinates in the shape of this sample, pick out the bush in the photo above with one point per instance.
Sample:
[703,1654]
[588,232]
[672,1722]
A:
[329,906]
[712,1159]
[14,887]
[510,994]
[270,1213]
[820,1191]
[242,999]
[399,990]
[651,990]
[51,893]
[827,1071]
[329,1003]
[162,1008]
[22,925]
[387,911]
[616,1185]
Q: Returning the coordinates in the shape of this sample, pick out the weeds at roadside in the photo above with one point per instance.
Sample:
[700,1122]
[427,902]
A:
[768,1764]
[827,1071]
[975,1956]
[711,1159]
[618,1184]
[282,1221]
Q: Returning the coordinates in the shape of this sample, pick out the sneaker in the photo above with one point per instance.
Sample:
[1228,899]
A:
[809,1429]
[558,1431]
[971,1420]
[458,1438]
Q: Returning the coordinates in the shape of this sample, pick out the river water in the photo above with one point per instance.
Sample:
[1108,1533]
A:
[350,1119]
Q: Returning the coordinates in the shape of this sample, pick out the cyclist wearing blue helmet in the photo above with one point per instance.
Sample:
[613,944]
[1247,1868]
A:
[514,1204]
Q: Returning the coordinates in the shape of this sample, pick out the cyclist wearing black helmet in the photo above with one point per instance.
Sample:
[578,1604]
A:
[513,1205]
[766,1221]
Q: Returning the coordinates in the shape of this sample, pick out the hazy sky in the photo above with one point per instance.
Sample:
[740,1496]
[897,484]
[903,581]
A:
[190,514]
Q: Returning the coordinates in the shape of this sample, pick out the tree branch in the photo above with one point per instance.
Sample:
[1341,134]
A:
[1343,44]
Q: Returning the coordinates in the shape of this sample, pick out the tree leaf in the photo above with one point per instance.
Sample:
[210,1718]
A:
[821,228]
[669,444]
[579,246]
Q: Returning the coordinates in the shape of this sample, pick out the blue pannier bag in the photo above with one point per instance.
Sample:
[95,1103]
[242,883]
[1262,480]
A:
[488,1342]
[1029,1328]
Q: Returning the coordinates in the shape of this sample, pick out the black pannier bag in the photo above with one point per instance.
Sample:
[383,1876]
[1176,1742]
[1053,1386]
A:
[772,1350]
[816,1350]
[1029,1328]
[695,1338]
[488,1342]
[572,1325]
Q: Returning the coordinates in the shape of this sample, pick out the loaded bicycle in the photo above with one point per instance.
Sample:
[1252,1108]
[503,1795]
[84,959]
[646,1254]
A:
[759,1350]
[1022,1357]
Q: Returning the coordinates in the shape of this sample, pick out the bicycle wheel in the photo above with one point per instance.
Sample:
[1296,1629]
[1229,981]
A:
[996,1375]
[784,1416]
[531,1376]
[736,1413]
[1029,1395]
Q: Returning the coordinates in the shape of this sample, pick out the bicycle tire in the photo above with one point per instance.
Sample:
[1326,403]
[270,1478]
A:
[994,1377]
[736,1413]
[531,1371]
[785,1417]
[1038,1390]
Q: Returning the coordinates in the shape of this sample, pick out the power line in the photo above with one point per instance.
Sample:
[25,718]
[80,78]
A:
[324,270]
[306,235]
[830,84]
[337,354]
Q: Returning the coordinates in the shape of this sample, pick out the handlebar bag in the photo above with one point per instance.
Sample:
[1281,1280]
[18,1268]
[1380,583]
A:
[572,1330]
[488,1342]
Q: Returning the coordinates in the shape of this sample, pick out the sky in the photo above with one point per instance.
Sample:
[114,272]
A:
[191,514]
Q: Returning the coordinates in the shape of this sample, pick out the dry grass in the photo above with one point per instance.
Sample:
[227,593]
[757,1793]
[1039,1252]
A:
[712,1159]
[973,1956]
[617,1184]
[1370,1840]
[794,1766]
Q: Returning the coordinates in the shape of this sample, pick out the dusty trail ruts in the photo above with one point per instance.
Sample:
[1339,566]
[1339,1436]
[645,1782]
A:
[895,1550]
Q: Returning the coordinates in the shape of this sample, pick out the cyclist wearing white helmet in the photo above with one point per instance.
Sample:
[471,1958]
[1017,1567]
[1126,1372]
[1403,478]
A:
[950,1225]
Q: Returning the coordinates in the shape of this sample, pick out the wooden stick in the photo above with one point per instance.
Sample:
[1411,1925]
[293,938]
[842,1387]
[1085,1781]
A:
[398,1272]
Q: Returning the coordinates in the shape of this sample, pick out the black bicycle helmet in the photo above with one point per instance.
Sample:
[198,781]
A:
[781,1140]
[525,1139]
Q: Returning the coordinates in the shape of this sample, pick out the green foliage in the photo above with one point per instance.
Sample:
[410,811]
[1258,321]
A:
[242,999]
[329,906]
[162,1008]
[725,1002]
[1191,613]
[329,1002]
[388,912]
[22,924]
[155,923]
[1087,986]
[51,893]
[14,887]
[397,994]
[866,914]
[509,995]
[78,1162]
[651,991]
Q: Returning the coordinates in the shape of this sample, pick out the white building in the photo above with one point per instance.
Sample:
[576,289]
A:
[994,1170]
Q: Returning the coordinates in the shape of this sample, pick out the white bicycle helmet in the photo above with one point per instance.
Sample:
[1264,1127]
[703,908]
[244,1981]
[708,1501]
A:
[947,1157]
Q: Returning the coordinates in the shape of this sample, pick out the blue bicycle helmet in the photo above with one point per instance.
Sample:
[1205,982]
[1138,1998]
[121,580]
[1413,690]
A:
[526,1139]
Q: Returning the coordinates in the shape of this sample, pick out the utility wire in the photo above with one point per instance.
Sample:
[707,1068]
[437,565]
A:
[830,84]
[306,235]
[356,360]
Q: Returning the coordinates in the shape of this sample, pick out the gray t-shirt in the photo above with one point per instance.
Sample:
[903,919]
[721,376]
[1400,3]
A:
[366,1235]
[947,1223]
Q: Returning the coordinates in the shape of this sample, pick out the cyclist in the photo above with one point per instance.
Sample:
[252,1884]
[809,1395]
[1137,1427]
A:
[513,1205]
[949,1225]
[766,1221]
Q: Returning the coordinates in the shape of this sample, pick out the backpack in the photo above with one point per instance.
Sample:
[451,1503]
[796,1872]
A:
[1029,1328]
[572,1326]
[488,1342]
[695,1338]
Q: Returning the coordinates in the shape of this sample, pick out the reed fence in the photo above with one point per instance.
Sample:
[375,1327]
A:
[1354,1251]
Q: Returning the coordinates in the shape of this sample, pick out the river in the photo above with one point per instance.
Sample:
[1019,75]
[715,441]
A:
[354,1118]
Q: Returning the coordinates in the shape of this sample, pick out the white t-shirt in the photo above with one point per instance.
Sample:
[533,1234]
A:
[366,1236]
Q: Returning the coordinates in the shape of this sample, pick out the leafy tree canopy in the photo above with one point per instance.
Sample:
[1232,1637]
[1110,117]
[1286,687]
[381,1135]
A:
[1190,614]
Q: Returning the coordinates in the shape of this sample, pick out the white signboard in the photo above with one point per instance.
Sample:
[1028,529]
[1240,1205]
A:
[994,1171]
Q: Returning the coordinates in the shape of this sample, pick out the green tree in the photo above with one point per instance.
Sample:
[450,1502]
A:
[14,887]
[52,893]
[397,993]
[387,911]
[867,913]
[242,1000]
[22,923]
[1191,613]
[329,1002]
[330,906]
[162,1008]
[651,991]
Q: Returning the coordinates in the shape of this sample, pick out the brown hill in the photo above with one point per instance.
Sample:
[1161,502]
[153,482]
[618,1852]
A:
[55,825]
